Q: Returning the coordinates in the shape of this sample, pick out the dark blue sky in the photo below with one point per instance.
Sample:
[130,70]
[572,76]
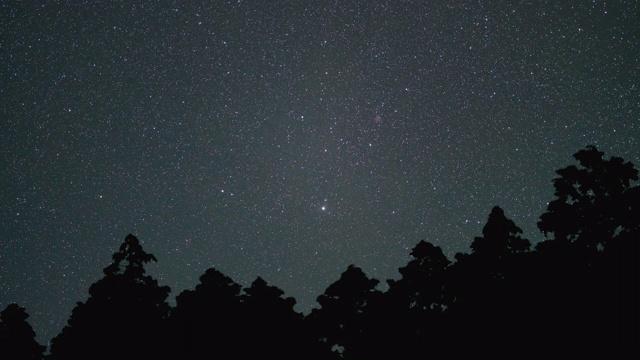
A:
[290,139]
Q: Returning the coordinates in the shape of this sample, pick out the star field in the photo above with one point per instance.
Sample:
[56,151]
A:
[290,139]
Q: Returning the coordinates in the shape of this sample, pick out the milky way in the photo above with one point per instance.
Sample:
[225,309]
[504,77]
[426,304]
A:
[290,139]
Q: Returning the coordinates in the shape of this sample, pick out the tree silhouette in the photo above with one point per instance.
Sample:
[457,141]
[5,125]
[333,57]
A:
[17,338]
[208,321]
[489,289]
[577,294]
[500,237]
[414,305]
[422,278]
[493,253]
[123,315]
[593,201]
[596,215]
[349,321]
[272,327]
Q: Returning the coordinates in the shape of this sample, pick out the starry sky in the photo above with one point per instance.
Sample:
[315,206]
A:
[289,139]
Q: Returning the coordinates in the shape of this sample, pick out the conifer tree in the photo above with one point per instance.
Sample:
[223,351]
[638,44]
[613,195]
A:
[17,338]
[123,316]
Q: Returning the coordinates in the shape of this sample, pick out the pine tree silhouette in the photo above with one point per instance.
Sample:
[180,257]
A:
[124,315]
[17,338]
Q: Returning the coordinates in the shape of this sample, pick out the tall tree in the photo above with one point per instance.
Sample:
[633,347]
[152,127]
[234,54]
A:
[349,321]
[17,338]
[123,316]
[489,290]
[414,305]
[595,218]
[422,278]
[501,237]
[492,253]
[208,321]
[593,201]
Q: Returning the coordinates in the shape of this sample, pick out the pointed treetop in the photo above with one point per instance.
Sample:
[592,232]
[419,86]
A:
[135,257]
[215,281]
[353,284]
[498,225]
[501,236]
[262,293]
[17,338]
[13,313]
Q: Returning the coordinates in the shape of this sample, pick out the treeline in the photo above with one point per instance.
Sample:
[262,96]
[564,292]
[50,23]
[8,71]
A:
[575,294]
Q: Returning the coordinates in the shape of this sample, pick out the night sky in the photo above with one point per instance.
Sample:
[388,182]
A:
[290,139]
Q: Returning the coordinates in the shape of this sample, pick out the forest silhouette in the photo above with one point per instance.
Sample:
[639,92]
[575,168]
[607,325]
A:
[574,294]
